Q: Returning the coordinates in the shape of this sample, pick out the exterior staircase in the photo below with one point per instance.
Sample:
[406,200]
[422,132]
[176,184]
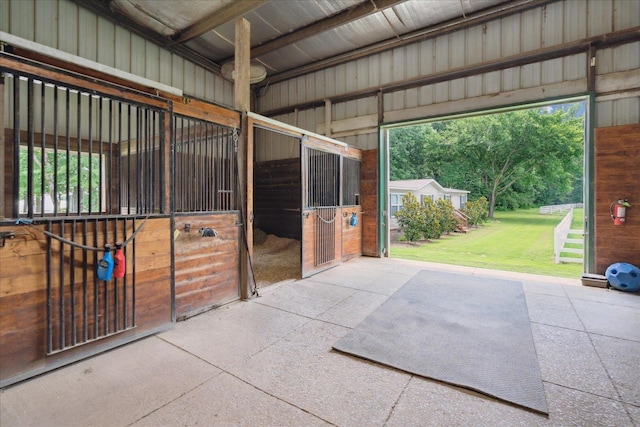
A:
[463,222]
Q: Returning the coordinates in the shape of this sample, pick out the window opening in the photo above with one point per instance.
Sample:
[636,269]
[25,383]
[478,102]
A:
[77,152]
[323,180]
[350,181]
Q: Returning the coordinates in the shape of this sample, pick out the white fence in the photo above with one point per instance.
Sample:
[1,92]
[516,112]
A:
[559,208]
[561,233]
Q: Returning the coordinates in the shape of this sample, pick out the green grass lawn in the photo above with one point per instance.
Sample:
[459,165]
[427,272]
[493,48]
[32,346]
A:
[513,241]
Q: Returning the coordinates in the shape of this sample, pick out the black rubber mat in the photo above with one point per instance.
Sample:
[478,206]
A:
[468,331]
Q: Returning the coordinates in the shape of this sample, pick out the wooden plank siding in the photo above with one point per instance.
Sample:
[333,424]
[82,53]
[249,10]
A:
[23,296]
[309,219]
[278,197]
[207,269]
[369,194]
[351,236]
[617,171]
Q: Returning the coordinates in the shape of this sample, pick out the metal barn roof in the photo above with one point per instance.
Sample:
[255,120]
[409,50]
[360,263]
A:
[292,37]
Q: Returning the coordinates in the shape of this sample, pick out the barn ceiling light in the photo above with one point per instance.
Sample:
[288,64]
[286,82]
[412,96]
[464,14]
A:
[257,72]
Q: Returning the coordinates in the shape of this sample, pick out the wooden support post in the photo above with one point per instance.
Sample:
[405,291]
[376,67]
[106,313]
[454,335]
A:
[2,149]
[242,100]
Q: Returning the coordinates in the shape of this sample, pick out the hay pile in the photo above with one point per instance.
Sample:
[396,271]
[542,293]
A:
[275,258]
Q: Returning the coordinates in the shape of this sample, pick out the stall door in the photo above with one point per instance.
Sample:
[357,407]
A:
[206,228]
[321,214]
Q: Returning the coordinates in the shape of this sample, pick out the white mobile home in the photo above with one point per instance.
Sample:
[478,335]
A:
[422,189]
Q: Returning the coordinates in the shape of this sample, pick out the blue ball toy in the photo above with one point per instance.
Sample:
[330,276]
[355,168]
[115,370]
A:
[623,276]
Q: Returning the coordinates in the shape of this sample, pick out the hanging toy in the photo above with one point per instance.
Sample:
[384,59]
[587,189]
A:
[105,265]
[354,220]
[119,269]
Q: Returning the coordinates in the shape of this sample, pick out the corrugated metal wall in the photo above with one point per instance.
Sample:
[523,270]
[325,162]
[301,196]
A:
[552,25]
[63,25]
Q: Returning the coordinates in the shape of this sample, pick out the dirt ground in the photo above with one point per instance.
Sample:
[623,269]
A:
[275,258]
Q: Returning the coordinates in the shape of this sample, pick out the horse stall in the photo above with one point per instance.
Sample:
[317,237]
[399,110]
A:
[307,190]
[120,214]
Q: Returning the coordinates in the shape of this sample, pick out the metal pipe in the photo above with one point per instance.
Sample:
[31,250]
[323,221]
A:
[96,297]
[49,292]
[116,296]
[68,149]
[90,183]
[43,154]
[85,313]
[61,319]
[119,151]
[16,146]
[129,159]
[124,279]
[56,200]
[79,147]
[72,284]
[133,285]
[101,165]
[30,147]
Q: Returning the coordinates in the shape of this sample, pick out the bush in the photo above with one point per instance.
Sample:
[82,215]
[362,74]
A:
[428,221]
[431,224]
[446,216]
[410,217]
[477,211]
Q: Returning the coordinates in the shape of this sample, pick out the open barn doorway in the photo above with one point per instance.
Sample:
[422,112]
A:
[277,223]
[500,189]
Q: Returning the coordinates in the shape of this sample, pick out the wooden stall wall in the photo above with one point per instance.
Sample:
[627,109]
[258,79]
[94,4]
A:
[23,296]
[617,172]
[351,235]
[369,189]
[207,269]
[277,197]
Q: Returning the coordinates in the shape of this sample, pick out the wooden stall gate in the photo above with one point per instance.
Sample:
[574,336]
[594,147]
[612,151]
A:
[330,205]
[85,166]
[207,218]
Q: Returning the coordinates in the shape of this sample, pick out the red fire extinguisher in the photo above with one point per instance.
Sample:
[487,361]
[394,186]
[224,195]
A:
[618,211]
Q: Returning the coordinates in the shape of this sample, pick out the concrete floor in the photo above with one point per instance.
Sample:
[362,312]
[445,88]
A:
[269,362]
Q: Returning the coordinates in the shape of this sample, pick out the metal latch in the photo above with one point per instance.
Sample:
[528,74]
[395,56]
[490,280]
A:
[4,235]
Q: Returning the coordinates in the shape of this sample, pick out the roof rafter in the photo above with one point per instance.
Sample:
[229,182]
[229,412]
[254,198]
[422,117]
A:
[229,12]
[495,12]
[356,12]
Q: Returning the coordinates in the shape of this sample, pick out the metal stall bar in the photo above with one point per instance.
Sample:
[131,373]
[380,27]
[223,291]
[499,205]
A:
[16,145]
[204,166]
[43,158]
[322,194]
[69,319]
[30,146]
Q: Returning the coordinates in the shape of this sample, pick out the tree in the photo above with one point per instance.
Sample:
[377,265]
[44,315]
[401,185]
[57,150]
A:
[446,216]
[497,153]
[410,217]
[431,226]
[408,152]
[69,171]
[477,211]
